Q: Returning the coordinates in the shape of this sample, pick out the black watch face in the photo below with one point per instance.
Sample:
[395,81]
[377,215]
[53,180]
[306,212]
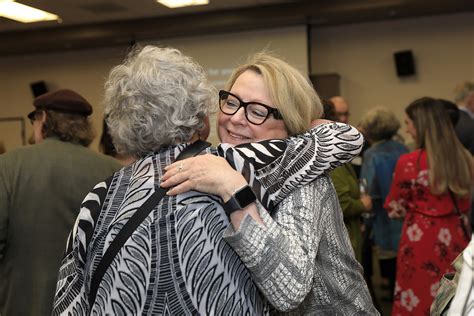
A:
[245,196]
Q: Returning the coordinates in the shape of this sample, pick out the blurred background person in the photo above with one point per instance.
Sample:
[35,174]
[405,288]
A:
[346,182]
[2,147]
[353,203]
[429,186]
[329,111]
[41,188]
[464,97]
[341,108]
[464,119]
[379,126]
[463,124]
[342,113]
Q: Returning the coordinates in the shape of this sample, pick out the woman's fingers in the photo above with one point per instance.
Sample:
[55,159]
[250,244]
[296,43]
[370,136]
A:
[178,168]
[172,178]
[206,173]
[180,188]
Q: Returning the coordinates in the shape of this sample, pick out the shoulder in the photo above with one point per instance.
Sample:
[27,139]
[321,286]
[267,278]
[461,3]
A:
[369,152]
[306,204]
[18,154]
[109,161]
[340,171]
[395,144]
[411,156]
[319,189]
[92,155]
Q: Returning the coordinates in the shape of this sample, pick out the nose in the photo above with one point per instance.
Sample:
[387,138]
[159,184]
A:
[239,117]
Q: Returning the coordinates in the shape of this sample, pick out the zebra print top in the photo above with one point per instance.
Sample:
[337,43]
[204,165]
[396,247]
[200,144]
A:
[177,262]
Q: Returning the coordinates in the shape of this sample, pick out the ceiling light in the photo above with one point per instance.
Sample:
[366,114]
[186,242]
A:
[23,13]
[182,3]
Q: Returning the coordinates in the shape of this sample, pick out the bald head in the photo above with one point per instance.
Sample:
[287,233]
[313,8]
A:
[342,109]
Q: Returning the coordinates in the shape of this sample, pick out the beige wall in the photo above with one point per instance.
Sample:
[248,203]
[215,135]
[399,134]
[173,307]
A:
[82,71]
[362,54]
[85,71]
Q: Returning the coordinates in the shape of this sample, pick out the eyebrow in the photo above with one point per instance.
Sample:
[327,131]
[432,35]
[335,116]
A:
[253,101]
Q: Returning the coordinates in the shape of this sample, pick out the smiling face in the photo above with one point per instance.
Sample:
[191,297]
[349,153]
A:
[411,129]
[235,129]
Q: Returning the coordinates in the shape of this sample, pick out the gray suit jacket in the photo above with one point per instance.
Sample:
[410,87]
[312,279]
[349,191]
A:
[41,189]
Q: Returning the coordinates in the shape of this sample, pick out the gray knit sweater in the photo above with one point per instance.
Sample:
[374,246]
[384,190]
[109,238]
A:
[303,261]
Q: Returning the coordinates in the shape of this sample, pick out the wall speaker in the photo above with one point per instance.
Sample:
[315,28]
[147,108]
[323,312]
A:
[404,63]
[38,88]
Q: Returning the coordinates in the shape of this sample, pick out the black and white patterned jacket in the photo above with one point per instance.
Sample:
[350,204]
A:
[177,261]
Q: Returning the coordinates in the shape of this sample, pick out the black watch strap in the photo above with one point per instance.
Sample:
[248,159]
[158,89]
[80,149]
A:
[239,200]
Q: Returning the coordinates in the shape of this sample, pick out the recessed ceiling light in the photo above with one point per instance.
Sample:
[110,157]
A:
[182,3]
[23,13]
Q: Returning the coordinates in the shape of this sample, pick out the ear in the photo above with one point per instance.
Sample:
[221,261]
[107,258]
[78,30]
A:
[43,117]
[204,132]
[42,121]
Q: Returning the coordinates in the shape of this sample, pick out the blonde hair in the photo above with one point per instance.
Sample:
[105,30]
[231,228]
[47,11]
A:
[450,164]
[291,92]
[379,124]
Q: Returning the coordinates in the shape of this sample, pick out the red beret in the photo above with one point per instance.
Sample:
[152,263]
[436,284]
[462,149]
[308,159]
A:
[63,100]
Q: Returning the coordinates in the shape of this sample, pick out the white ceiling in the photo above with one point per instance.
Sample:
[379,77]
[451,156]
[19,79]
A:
[103,23]
[75,12]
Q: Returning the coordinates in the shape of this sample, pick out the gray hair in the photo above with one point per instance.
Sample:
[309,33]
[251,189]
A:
[379,124]
[157,97]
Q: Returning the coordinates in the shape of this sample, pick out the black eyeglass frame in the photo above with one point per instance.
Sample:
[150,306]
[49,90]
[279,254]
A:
[32,115]
[271,111]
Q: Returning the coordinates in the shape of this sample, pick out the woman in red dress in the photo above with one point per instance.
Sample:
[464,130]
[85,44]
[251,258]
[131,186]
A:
[432,235]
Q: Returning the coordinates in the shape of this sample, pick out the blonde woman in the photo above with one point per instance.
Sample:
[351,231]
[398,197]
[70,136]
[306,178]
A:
[429,185]
[298,254]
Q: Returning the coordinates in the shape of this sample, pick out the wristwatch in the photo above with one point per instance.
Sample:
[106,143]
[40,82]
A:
[239,200]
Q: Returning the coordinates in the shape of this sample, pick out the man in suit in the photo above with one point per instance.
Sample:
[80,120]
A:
[41,189]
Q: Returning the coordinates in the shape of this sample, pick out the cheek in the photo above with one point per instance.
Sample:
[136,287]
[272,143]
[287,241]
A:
[276,130]
[220,122]
[37,134]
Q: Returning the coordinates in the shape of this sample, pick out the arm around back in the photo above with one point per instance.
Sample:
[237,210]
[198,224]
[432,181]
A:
[281,255]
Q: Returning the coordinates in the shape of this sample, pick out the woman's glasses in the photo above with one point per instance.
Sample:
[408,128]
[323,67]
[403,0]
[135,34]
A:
[256,113]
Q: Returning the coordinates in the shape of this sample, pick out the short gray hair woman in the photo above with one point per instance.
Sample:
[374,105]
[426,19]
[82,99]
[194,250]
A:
[150,107]
[380,126]
[176,261]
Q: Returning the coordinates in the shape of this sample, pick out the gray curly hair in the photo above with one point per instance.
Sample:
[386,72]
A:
[157,97]
[379,124]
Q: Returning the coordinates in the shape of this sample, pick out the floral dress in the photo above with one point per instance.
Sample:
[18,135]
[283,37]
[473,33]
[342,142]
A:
[431,238]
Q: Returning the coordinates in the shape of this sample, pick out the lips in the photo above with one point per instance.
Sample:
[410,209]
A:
[233,135]
[236,139]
